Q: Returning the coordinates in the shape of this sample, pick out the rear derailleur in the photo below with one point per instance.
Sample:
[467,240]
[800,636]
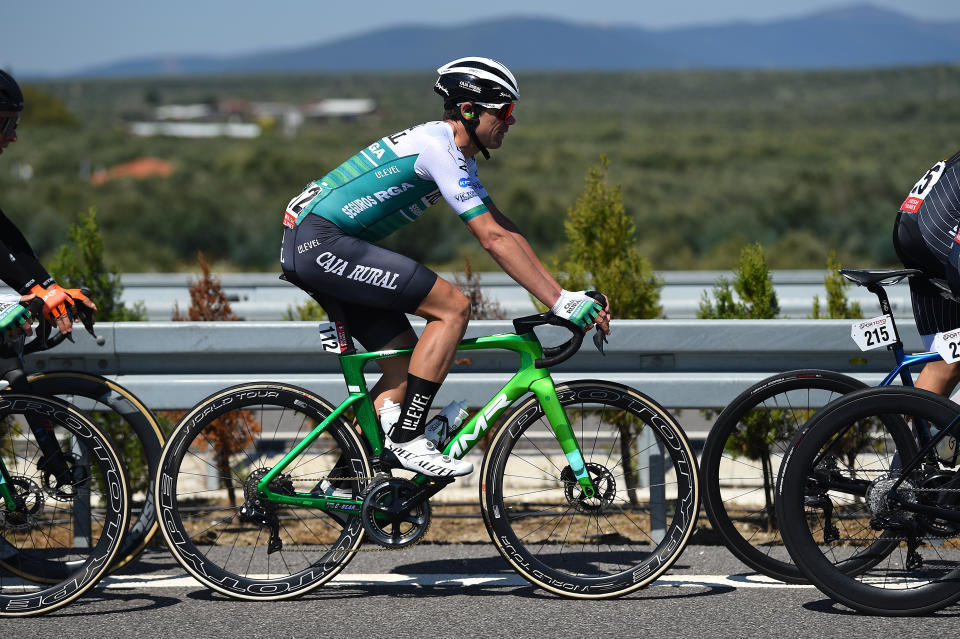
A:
[259,511]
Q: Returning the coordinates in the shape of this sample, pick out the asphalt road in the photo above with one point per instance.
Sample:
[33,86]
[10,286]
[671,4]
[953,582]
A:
[466,590]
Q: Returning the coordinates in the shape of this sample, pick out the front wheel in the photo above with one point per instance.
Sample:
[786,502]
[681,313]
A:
[210,510]
[630,532]
[848,501]
[64,507]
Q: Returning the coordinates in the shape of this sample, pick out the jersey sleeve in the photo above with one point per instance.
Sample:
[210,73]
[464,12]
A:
[455,177]
[19,267]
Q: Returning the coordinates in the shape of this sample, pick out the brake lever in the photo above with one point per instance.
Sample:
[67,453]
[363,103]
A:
[599,339]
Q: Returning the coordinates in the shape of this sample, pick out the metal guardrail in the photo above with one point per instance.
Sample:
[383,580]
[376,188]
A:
[683,364]
[264,297]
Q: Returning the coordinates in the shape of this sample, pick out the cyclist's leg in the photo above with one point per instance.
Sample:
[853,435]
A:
[939,377]
[447,311]
[392,384]
[321,259]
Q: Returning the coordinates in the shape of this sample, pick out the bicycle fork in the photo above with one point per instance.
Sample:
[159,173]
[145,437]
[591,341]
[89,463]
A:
[546,393]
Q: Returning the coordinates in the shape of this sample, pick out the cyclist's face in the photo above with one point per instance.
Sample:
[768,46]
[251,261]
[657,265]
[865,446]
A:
[8,131]
[491,129]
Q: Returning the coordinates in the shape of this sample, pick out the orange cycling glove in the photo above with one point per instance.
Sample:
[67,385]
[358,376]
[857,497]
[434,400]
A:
[55,301]
[77,295]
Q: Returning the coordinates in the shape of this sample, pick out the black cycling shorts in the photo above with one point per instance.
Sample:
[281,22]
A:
[932,311]
[366,286]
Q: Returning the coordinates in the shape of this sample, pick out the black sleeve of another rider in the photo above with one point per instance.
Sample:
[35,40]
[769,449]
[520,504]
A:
[19,267]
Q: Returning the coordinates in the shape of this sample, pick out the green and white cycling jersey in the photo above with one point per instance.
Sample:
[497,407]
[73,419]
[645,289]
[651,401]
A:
[389,184]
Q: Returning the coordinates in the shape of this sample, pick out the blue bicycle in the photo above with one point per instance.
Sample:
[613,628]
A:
[745,446]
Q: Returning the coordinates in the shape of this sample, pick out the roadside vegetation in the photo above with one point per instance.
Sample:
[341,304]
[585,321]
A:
[803,163]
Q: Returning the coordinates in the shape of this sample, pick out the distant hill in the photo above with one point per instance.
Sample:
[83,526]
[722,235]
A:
[858,36]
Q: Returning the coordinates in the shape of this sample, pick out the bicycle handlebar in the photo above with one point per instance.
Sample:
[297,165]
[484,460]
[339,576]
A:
[554,355]
[43,340]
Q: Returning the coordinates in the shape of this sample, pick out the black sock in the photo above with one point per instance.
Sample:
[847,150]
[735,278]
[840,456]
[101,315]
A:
[413,411]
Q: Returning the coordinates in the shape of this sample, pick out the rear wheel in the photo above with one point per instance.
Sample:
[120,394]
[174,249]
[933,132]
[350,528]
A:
[742,456]
[211,513]
[624,537]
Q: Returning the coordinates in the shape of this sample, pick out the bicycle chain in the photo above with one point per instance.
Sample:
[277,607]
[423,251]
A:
[316,480]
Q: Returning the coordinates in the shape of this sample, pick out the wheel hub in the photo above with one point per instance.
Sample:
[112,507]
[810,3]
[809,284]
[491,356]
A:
[66,490]
[603,482]
[28,496]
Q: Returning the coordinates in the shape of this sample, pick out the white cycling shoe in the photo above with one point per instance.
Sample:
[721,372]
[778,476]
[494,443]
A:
[421,456]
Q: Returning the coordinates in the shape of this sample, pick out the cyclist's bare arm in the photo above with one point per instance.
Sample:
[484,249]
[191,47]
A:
[515,258]
[508,225]
[512,228]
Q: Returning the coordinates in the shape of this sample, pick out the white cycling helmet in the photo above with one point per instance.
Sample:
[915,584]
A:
[475,79]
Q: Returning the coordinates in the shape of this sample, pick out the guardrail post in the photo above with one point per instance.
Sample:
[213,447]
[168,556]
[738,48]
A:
[651,475]
[82,526]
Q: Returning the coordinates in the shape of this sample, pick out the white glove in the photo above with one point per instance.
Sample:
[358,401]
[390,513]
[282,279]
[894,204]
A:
[577,307]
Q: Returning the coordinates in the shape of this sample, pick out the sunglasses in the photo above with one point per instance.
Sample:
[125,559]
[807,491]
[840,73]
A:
[503,111]
[9,125]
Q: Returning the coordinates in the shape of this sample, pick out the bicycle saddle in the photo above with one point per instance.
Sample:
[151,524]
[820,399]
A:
[882,277]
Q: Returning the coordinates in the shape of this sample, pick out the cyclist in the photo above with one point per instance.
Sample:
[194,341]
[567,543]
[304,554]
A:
[19,267]
[329,250]
[926,237]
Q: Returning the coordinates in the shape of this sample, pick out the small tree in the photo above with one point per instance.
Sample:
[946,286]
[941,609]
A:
[233,433]
[602,254]
[753,285]
[838,306]
[208,302]
[79,263]
[751,296]
[602,250]
[481,307]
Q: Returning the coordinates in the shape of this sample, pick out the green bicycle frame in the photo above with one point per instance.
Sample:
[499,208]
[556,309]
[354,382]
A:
[528,379]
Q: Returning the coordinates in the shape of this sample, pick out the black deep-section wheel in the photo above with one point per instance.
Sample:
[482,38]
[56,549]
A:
[211,516]
[841,504]
[591,546]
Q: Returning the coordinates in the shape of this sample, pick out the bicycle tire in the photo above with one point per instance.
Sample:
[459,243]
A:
[627,537]
[91,394]
[55,523]
[203,526]
[872,528]
[730,494]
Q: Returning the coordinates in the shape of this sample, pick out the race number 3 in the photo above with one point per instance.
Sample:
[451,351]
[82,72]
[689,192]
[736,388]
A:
[922,187]
[873,333]
[947,344]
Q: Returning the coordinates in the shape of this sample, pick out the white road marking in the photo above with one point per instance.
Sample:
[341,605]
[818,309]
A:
[149,582]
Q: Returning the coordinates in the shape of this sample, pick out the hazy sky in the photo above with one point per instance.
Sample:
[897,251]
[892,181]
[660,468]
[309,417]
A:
[59,36]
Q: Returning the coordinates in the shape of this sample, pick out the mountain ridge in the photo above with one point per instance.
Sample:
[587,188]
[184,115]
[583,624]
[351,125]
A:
[860,35]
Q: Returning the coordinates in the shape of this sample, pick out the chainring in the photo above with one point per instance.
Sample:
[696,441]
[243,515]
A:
[386,522]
